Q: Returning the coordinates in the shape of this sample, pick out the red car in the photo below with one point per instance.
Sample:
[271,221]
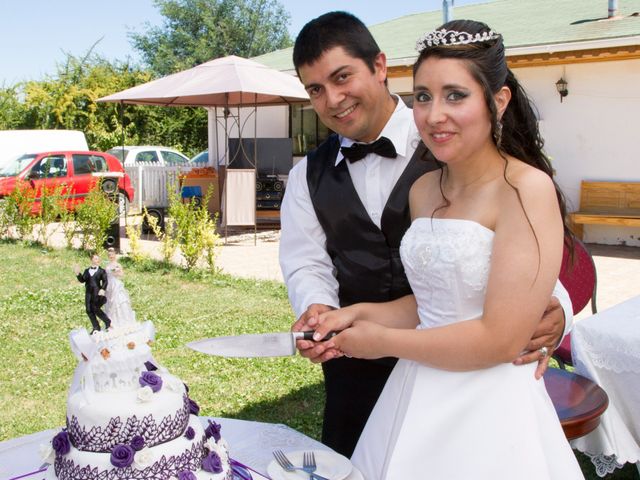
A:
[77,171]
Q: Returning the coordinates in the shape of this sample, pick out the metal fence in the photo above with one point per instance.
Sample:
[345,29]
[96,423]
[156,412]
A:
[151,183]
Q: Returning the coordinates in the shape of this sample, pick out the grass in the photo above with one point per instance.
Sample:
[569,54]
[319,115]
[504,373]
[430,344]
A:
[41,301]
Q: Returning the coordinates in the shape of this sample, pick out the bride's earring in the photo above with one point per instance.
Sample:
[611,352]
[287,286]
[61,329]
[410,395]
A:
[497,134]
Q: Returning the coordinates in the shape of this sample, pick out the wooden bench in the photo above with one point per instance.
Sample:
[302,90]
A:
[607,203]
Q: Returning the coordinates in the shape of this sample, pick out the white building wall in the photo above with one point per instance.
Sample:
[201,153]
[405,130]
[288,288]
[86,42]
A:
[593,134]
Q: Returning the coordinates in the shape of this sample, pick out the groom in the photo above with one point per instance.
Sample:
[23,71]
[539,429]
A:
[95,283]
[346,209]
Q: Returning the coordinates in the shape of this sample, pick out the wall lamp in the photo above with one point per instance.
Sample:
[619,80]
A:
[561,86]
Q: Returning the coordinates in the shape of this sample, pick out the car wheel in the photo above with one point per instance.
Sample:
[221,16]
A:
[123,204]
[109,186]
[158,215]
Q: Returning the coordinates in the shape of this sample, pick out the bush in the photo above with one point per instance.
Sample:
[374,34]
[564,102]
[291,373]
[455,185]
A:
[133,234]
[195,231]
[94,217]
[52,206]
[167,237]
[16,211]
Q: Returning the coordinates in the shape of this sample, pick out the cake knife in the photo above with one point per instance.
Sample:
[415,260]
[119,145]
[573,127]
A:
[253,345]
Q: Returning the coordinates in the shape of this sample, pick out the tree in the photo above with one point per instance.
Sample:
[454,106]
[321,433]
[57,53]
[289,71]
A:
[196,31]
[67,100]
[11,112]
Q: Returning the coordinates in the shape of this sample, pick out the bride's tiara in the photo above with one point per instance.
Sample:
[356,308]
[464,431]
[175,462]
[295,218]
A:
[453,37]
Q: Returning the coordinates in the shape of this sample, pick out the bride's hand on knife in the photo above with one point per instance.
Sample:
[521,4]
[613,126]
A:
[322,319]
[356,338]
[362,339]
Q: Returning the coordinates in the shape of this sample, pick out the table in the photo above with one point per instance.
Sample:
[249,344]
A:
[606,348]
[251,443]
[578,401]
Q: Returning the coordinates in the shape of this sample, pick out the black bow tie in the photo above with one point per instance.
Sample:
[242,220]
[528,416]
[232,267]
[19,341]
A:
[383,147]
[93,268]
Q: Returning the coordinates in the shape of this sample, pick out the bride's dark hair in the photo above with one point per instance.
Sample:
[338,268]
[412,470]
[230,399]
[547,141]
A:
[517,133]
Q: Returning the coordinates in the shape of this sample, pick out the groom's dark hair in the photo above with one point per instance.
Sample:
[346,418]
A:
[334,29]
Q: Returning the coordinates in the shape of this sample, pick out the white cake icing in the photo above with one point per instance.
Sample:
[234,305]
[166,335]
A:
[129,419]
[161,463]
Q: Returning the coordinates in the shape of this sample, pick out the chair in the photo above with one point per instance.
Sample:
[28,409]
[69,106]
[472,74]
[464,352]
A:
[578,275]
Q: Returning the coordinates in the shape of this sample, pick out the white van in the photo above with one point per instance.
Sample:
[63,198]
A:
[14,143]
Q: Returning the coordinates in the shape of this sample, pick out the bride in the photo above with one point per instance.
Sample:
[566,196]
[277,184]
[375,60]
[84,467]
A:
[118,306]
[482,255]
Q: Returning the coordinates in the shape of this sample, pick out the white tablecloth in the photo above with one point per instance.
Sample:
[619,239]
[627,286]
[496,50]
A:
[606,348]
[251,443]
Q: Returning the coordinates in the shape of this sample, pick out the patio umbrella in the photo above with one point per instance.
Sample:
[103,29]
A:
[224,82]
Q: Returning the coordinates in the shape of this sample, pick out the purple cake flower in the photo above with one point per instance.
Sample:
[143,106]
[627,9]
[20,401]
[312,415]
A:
[211,463]
[150,379]
[213,430]
[61,444]
[190,433]
[137,443]
[194,409]
[122,456]
[187,475]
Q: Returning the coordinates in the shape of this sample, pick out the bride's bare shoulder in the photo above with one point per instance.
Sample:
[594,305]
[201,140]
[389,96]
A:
[424,190]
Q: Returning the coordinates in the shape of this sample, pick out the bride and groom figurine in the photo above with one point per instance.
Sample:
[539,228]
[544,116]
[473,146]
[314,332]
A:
[104,288]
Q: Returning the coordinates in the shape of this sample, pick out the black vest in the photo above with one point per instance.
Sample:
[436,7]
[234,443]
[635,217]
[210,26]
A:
[366,258]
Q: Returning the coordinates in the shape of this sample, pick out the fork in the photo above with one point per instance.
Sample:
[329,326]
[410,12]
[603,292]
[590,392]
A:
[309,465]
[287,466]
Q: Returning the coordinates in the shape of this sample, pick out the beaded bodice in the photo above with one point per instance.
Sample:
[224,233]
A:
[447,263]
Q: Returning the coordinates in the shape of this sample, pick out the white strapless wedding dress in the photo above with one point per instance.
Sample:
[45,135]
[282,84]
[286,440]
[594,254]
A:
[497,423]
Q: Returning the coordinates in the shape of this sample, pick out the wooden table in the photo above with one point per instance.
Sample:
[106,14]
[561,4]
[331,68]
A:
[579,402]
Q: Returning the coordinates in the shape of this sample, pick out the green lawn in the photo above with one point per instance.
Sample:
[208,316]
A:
[41,301]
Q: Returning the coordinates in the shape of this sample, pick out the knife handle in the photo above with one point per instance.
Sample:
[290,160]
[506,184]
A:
[309,336]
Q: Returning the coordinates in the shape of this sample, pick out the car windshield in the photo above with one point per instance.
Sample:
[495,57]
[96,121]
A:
[118,152]
[202,157]
[16,165]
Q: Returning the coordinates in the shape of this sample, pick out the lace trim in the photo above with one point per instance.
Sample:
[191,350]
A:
[102,440]
[161,470]
[610,353]
[605,464]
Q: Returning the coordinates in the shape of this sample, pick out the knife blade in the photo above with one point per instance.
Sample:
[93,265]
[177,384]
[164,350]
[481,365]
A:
[253,345]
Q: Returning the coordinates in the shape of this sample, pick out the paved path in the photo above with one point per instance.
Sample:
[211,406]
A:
[618,267]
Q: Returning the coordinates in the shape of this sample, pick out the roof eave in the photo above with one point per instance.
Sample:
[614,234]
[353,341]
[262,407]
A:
[573,46]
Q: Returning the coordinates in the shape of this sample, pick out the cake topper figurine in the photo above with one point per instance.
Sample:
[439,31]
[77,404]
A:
[95,283]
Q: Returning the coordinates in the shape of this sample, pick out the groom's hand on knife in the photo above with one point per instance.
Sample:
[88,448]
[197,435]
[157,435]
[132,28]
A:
[314,351]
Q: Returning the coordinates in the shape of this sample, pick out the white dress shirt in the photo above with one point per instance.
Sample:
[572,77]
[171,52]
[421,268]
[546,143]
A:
[306,266]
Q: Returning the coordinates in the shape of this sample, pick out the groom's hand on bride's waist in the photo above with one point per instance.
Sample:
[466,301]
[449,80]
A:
[545,339]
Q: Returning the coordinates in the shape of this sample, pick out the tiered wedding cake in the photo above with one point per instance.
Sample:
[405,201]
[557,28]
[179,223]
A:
[128,418]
